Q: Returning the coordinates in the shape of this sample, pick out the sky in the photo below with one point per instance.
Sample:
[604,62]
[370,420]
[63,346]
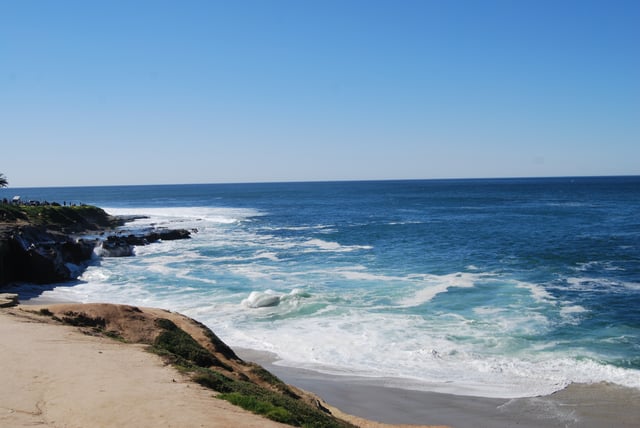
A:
[167,92]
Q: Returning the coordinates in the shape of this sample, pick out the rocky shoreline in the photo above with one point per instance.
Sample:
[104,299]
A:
[51,244]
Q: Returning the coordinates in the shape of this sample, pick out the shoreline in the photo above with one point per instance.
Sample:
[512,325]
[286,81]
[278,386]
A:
[578,405]
[67,374]
[382,401]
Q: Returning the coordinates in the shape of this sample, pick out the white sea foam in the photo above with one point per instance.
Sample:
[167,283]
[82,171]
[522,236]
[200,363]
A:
[254,272]
[268,255]
[572,314]
[432,285]
[631,285]
[387,346]
[403,223]
[538,292]
[184,214]
[592,265]
[318,227]
[360,275]
[571,310]
[328,246]
[605,285]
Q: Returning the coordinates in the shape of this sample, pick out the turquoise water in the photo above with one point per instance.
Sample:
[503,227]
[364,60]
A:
[501,288]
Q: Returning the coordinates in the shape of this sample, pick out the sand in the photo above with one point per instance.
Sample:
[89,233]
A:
[584,406]
[55,376]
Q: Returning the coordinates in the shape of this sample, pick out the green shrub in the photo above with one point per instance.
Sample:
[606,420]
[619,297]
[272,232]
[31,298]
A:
[215,381]
[55,216]
[281,405]
[275,405]
[264,408]
[178,342]
[11,213]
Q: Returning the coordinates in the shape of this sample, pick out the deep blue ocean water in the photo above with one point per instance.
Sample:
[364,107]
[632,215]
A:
[502,288]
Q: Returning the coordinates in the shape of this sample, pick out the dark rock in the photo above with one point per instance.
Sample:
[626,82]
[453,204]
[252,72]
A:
[123,246]
[35,255]
[79,251]
[45,250]
[172,235]
[115,246]
[45,264]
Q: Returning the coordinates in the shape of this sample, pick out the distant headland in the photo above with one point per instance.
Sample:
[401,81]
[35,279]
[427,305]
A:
[48,242]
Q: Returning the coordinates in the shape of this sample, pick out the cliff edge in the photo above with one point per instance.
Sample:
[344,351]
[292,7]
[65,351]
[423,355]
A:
[41,244]
[46,244]
[198,354]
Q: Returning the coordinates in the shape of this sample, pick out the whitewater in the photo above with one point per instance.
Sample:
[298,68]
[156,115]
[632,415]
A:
[494,288]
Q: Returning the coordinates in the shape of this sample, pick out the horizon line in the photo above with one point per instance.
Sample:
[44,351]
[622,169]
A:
[332,181]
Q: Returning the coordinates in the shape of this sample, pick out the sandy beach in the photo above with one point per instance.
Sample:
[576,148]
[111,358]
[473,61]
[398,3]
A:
[586,406]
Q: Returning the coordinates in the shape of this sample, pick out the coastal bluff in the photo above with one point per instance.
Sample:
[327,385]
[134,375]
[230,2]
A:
[79,362]
[46,244]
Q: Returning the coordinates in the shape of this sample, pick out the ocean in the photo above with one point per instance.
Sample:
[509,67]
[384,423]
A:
[489,287]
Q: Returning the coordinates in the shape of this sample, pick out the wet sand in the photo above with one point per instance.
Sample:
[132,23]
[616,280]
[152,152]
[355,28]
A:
[589,406]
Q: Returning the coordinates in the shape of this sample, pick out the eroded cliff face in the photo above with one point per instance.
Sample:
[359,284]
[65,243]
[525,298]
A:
[50,244]
[34,254]
[40,244]
[4,262]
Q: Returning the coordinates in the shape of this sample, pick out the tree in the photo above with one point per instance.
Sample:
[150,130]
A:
[3,180]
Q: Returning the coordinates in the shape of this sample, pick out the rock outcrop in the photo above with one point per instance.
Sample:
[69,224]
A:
[122,246]
[45,245]
[35,254]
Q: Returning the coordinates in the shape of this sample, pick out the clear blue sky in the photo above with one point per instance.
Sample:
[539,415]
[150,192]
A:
[151,92]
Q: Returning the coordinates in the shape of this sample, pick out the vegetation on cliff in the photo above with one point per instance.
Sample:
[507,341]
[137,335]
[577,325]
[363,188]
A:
[198,352]
[269,396]
[78,218]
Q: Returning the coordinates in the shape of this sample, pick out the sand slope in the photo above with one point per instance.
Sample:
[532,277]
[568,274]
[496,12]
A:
[55,376]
